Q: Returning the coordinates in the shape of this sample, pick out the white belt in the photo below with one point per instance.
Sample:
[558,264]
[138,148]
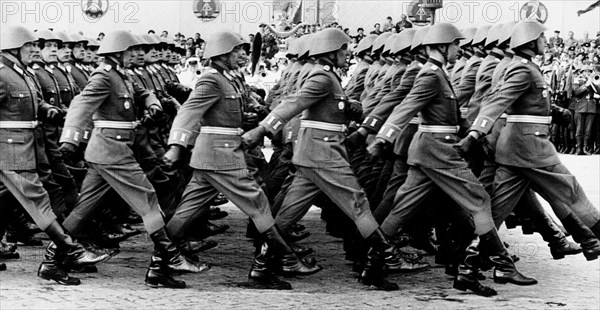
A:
[546,120]
[222,130]
[504,115]
[323,126]
[415,121]
[115,125]
[19,124]
[464,110]
[438,129]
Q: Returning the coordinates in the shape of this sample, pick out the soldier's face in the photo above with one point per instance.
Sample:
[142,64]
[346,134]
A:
[141,57]
[243,59]
[166,55]
[151,55]
[541,44]
[453,50]
[36,52]
[25,52]
[78,51]
[233,58]
[130,56]
[342,56]
[50,52]
[64,53]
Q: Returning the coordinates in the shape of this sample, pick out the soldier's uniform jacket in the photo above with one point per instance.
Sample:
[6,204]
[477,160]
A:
[458,69]
[66,83]
[584,97]
[370,78]
[390,80]
[466,87]
[523,94]
[110,96]
[78,72]
[214,102]
[433,98]
[483,83]
[48,83]
[323,104]
[291,129]
[286,83]
[277,90]
[356,86]
[383,110]
[20,101]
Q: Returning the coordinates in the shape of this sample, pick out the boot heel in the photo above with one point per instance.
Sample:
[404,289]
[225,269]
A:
[557,256]
[460,286]
[500,280]
[591,256]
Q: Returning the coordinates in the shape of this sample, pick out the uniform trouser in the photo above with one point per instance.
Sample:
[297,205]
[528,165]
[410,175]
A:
[460,184]
[60,173]
[129,181]
[237,185]
[339,184]
[280,170]
[555,184]
[398,178]
[26,187]
[585,123]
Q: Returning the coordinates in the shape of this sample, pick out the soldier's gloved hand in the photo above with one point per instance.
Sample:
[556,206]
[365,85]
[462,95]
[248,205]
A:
[464,146]
[68,151]
[173,156]
[54,115]
[354,111]
[249,120]
[155,112]
[356,139]
[252,138]
[375,149]
[561,116]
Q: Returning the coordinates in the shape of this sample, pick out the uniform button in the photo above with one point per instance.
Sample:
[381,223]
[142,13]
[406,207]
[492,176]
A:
[10,140]
[537,133]
[226,144]
[20,95]
[447,137]
[326,139]
[118,137]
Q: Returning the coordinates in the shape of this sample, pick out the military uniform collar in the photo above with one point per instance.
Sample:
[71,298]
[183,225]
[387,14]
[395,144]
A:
[326,63]
[523,56]
[435,62]
[494,54]
[421,59]
[30,70]
[479,54]
[405,60]
[111,62]
[12,64]
[215,66]
[508,55]
[368,60]
[467,55]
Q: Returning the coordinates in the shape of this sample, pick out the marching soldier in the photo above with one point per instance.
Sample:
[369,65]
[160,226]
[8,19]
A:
[110,99]
[378,62]
[75,65]
[466,86]
[467,53]
[525,155]
[356,86]
[435,164]
[212,117]
[321,159]
[20,104]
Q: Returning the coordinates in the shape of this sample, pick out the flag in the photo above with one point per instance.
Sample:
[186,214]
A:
[298,16]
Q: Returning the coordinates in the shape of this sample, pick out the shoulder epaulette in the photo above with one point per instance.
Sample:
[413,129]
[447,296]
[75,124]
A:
[524,61]
[327,68]
[107,68]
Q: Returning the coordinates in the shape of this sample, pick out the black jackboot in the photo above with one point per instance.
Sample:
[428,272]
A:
[290,263]
[74,253]
[171,256]
[583,235]
[261,275]
[52,269]
[466,279]
[551,233]
[505,270]
[157,275]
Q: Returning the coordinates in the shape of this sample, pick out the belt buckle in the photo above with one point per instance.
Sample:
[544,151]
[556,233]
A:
[34,124]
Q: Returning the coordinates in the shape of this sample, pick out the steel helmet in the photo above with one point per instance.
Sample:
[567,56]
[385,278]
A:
[403,41]
[92,42]
[155,38]
[117,41]
[222,42]
[150,39]
[64,37]
[419,37]
[77,38]
[293,47]
[379,43]
[328,40]
[493,34]
[366,43]
[469,34]
[525,32]
[48,35]
[245,45]
[15,37]
[389,43]
[481,34]
[506,32]
[442,33]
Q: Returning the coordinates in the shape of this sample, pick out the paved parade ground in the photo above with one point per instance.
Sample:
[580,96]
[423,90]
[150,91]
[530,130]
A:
[571,283]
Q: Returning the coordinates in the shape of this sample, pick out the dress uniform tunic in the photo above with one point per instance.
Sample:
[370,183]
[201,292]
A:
[356,86]
[20,103]
[432,158]
[78,72]
[585,110]
[458,69]
[483,83]
[110,100]
[390,80]
[212,117]
[526,156]
[320,155]
[370,78]
[466,87]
